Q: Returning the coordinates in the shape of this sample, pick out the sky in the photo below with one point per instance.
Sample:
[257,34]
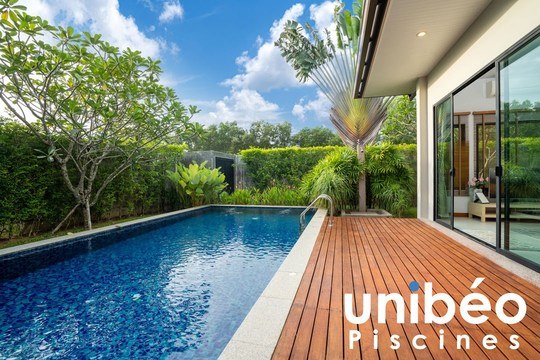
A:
[217,55]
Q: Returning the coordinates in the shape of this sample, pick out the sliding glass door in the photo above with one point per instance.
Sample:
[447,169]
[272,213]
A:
[519,76]
[475,158]
[487,155]
[443,162]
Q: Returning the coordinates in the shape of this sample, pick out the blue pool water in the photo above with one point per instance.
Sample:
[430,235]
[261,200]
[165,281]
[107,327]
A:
[179,291]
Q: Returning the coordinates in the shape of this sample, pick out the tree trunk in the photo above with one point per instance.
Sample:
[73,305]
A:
[65,219]
[87,215]
[362,207]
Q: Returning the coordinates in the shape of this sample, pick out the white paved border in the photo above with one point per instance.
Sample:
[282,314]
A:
[490,253]
[258,334]
[60,239]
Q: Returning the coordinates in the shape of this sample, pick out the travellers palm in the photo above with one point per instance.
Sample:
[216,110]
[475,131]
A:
[331,66]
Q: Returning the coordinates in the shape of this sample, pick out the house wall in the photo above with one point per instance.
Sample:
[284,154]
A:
[501,25]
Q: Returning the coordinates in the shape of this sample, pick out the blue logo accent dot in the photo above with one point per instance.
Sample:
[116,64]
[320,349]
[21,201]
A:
[414,286]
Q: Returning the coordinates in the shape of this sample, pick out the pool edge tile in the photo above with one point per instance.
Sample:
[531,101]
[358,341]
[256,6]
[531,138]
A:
[88,233]
[275,302]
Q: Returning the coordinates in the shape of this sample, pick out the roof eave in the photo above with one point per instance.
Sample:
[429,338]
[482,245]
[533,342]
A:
[372,20]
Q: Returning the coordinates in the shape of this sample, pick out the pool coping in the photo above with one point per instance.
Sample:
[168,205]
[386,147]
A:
[19,249]
[258,334]
[86,233]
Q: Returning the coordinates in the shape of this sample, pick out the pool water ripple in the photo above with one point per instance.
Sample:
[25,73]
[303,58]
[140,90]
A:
[179,291]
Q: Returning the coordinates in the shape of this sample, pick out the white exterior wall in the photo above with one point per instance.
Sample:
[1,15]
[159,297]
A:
[501,26]
[422,159]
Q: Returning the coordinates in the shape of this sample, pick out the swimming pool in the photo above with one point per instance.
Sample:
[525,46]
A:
[179,290]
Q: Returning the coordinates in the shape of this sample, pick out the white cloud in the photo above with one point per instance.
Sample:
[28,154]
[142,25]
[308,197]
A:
[174,49]
[171,10]
[267,70]
[241,105]
[149,4]
[323,17]
[97,16]
[318,108]
[293,13]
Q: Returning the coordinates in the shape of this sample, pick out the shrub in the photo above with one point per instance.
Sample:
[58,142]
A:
[282,196]
[282,167]
[240,197]
[196,184]
[33,196]
[389,177]
[271,196]
[336,175]
[520,181]
[32,192]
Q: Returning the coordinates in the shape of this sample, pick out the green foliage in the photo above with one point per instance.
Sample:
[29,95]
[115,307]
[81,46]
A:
[521,165]
[89,101]
[29,187]
[241,197]
[357,121]
[390,178]
[282,196]
[281,166]
[400,124]
[271,196]
[197,184]
[301,53]
[348,26]
[265,135]
[226,137]
[33,197]
[336,175]
[410,212]
[317,136]
[229,137]
[269,167]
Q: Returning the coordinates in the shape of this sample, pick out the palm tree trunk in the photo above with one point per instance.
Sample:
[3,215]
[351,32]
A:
[87,215]
[362,207]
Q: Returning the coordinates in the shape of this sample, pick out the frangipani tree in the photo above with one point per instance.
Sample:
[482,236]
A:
[331,66]
[87,100]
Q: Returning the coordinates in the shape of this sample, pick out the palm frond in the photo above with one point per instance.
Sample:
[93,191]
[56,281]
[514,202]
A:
[332,69]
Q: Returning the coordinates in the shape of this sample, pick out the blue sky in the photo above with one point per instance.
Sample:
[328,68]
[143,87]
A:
[217,55]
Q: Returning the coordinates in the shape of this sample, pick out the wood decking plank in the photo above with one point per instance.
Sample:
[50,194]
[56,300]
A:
[334,345]
[348,288]
[367,350]
[305,329]
[370,288]
[463,273]
[373,256]
[288,334]
[320,331]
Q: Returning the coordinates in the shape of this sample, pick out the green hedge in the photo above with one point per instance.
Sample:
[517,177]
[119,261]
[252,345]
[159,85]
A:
[287,166]
[34,198]
[408,151]
[270,196]
[282,166]
[32,192]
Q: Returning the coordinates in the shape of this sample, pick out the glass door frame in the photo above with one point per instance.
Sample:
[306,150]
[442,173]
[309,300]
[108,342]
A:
[495,64]
[500,172]
[435,158]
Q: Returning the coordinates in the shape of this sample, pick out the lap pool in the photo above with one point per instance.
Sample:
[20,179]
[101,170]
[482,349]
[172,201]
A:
[176,289]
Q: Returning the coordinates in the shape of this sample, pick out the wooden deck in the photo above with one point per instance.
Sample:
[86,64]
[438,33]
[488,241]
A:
[362,255]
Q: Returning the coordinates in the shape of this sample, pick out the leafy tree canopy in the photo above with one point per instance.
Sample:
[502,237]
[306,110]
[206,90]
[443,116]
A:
[85,99]
[317,136]
[231,138]
[400,124]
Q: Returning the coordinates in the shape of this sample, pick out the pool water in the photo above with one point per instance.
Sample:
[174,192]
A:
[179,291]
